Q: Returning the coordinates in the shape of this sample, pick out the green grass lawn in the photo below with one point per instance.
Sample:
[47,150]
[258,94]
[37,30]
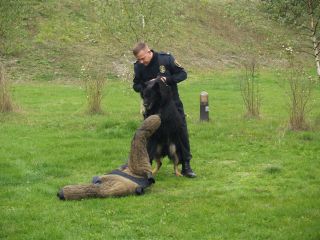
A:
[256,179]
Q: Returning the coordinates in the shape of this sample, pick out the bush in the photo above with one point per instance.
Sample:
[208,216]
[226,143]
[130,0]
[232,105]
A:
[5,98]
[299,87]
[249,87]
[94,82]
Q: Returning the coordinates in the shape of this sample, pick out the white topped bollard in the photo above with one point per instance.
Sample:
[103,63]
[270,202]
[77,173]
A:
[204,106]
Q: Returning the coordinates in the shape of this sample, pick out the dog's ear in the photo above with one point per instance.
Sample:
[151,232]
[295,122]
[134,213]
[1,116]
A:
[154,87]
[164,91]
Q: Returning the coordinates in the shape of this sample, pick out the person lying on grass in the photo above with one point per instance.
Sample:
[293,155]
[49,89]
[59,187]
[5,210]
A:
[131,178]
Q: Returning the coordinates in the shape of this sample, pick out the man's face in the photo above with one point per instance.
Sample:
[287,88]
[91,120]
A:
[144,56]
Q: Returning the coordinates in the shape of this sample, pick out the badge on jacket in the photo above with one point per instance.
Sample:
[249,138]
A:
[177,64]
[162,69]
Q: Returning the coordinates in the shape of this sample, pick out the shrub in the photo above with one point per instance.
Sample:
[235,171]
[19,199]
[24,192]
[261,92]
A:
[6,104]
[94,81]
[299,87]
[249,87]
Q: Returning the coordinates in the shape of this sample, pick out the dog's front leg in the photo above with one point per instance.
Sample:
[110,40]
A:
[158,160]
[176,162]
[157,168]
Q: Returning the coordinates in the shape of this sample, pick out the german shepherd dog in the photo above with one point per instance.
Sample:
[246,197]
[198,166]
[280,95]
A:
[157,99]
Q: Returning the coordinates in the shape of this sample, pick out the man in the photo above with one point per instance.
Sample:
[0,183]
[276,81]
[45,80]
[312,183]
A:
[150,65]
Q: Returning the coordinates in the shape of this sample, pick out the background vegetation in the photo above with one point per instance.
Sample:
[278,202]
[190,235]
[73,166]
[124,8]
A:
[51,40]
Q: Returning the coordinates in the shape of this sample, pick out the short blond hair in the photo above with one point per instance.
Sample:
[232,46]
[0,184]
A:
[138,47]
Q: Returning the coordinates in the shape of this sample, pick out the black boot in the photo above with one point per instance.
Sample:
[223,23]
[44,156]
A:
[96,180]
[60,195]
[187,171]
[139,190]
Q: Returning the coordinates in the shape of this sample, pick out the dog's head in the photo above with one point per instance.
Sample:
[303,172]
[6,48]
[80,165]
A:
[156,94]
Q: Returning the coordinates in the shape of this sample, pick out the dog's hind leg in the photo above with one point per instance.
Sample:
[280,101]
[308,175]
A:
[174,155]
[158,160]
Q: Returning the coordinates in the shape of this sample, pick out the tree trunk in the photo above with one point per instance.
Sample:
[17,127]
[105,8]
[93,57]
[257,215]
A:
[316,53]
[315,41]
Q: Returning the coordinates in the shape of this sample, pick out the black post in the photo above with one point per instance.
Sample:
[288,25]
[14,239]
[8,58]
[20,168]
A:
[204,106]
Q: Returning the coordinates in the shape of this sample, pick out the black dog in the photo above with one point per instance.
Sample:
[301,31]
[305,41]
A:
[157,99]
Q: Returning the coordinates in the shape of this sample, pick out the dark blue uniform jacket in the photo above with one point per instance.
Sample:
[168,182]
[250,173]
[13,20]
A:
[161,64]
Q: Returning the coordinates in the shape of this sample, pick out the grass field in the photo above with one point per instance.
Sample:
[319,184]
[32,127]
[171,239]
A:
[256,180]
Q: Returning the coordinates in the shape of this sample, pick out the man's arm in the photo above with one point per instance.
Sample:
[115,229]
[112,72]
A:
[178,74]
[138,84]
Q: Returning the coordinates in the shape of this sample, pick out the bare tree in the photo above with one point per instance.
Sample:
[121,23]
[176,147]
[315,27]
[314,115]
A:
[11,12]
[299,87]
[249,87]
[314,28]
[305,16]
[6,104]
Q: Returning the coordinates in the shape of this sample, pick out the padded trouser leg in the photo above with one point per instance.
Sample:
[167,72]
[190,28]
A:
[112,185]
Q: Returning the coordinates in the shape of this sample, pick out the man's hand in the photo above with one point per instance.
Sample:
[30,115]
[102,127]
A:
[163,79]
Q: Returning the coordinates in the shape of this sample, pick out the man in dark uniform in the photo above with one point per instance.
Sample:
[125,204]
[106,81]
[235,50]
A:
[150,65]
